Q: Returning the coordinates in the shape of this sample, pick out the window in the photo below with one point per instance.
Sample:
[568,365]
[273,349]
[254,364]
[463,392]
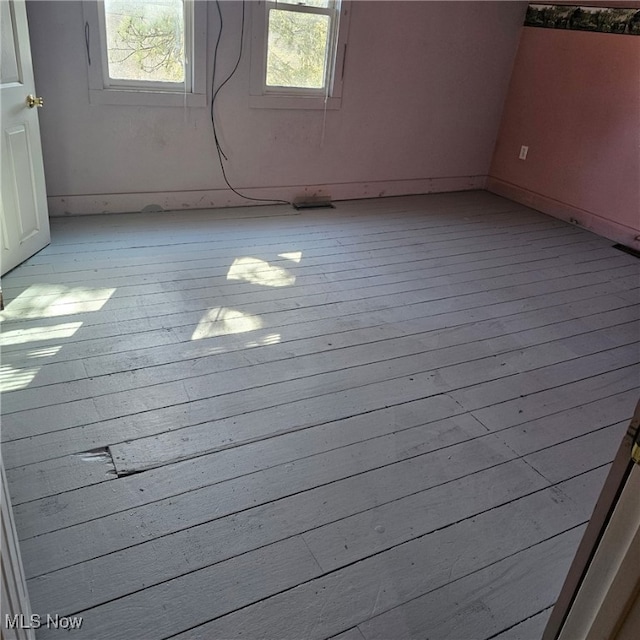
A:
[143,52]
[298,53]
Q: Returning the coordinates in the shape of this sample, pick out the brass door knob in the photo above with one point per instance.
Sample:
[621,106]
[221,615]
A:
[32,101]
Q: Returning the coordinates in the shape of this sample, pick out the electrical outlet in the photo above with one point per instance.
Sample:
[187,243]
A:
[523,152]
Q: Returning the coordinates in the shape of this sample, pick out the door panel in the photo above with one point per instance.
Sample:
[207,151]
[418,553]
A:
[25,219]
[19,159]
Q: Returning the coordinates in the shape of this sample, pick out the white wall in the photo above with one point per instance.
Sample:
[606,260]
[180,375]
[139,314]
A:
[423,92]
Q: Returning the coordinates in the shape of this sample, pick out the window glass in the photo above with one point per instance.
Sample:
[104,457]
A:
[297,49]
[322,4]
[145,40]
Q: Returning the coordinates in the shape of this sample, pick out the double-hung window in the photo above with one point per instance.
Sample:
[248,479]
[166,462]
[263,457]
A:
[144,51]
[298,53]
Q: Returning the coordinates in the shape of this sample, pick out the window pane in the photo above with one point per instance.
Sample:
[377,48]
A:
[297,49]
[323,4]
[145,40]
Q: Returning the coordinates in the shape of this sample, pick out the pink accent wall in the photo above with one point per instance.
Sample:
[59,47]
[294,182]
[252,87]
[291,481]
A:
[574,100]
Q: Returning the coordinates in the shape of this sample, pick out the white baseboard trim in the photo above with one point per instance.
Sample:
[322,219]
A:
[585,219]
[217,198]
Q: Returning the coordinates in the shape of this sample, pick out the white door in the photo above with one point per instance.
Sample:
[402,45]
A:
[24,220]
[601,595]
[606,597]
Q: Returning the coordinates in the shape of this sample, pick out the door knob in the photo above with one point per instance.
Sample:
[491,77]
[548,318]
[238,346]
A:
[32,101]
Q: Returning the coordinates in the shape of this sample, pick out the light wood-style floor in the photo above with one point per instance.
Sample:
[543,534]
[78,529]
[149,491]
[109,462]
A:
[388,420]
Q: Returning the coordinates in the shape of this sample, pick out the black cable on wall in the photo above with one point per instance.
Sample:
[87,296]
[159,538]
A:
[214,95]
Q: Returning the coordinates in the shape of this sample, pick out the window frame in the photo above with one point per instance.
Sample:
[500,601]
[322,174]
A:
[105,90]
[263,96]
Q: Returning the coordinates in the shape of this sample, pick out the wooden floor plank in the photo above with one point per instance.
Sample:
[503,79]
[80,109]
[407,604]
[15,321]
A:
[172,275]
[346,214]
[530,629]
[81,501]
[144,451]
[275,238]
[256,293]
[258,302]
[109,273]
[75,304]
[288,283]
[421,316]
[485,602]
[229,431]
[176,252]
[345,354]
[412,429]
[390,418]
[311,246]
[40,481]
[455,333]
[199,594]
[340,543]
[571,423]
[530,406]
[350,634]
[81,542]
[332,270]
[374,518]
[146,320]
[598,445]
[382,582]
[219,540]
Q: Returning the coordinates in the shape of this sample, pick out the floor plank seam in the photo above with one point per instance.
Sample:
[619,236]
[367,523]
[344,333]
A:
[186,403]
[578,526]
[339,281]
[517,456]
[384,435]
[627,305]
[513,626]
[281,433]
[414,353]
[5,314]
[301,533]
[497,228]
[222,269]
[571,286]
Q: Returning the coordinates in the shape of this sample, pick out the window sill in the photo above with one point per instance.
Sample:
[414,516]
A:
[146,98]
[269,101]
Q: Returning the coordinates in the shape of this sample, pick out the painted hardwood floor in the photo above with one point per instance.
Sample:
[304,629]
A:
[388,420]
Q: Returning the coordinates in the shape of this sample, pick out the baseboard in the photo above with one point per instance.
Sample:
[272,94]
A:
[217,198]
[585,219]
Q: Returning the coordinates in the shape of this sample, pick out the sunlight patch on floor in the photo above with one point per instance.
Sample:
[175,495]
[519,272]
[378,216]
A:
[270,338]
[44,352]
[295,256]
[47,301]
[34,334]
[260,272]
[223,321]
[12,379]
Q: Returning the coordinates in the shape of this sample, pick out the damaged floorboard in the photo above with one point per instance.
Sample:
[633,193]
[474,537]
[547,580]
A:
[390,419]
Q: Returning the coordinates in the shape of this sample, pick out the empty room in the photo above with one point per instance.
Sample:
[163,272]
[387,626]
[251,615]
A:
[320,320]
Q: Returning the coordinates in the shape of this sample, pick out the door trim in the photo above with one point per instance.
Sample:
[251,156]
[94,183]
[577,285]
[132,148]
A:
[603,512]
